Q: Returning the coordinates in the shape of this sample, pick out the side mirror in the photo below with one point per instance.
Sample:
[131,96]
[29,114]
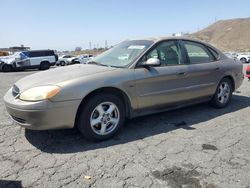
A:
[152,62]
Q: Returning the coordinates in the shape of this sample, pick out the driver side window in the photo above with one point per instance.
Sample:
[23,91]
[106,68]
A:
[168,53]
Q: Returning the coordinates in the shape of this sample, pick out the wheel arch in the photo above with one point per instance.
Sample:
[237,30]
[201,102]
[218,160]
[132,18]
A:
[231,79]
[113,90]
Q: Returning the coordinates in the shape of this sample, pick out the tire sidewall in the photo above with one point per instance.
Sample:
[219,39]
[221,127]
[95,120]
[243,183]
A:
[62,63]
[83,119]
[215,101]
[6,68]
[44,65]
[243,60]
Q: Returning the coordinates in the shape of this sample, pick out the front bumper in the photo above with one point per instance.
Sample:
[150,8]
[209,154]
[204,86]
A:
[1,65]
[41,115]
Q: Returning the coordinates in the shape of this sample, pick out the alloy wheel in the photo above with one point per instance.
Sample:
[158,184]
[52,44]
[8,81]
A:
[223,92]
[104,118]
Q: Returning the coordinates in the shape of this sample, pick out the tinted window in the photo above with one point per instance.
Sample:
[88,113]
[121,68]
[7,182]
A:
[27,54]
[198,53]
[48,53]
[34,54]
[167,52]
[41,53]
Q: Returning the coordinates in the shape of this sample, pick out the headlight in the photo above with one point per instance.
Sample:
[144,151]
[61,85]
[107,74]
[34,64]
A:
[39,93]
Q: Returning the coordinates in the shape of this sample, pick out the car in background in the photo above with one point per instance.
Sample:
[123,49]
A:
[248,72]
[244,57]
[230,55]
[134,78]
[83,58]
[41,59]
[66,60]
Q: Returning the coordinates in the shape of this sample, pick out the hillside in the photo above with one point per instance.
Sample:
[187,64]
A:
[227,35]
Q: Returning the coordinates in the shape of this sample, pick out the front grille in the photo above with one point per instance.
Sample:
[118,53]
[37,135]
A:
[19,120]
[15,90]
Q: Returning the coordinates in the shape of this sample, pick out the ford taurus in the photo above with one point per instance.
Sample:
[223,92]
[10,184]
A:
[134,78]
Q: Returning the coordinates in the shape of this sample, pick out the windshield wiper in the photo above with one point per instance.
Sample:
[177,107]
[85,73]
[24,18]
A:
[96,63]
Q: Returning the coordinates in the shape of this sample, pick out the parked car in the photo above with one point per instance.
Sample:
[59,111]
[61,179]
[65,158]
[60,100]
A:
[66,60]
[83,59]
[153,75]
[41,59]
[248,72]
[244,58]
[230,55]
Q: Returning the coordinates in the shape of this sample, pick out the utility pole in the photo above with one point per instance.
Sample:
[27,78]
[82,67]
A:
[90,45]
[106,44]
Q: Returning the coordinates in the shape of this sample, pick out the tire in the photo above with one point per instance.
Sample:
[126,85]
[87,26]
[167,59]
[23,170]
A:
[96,110]
[62,63]
[77,62]
[7,68]
[223,94]
[44,65]
[243,60]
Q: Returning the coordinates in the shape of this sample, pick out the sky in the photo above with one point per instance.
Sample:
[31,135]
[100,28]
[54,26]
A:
[66,24]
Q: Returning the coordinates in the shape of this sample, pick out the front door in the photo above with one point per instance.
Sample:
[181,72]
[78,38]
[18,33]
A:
[165,84]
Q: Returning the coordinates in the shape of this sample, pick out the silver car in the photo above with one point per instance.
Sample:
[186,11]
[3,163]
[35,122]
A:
[134,78]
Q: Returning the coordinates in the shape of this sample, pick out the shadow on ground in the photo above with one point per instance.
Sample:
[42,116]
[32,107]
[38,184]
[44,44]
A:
[9,183]
[70,141]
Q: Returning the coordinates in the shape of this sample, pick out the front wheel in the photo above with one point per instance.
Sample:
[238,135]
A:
[7,68]
[101,117]
[223,94]
[62,63]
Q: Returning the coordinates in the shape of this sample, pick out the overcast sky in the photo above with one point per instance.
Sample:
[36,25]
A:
[66,24]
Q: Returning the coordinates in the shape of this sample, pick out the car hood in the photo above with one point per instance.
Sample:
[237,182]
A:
[7,59]
[58,75]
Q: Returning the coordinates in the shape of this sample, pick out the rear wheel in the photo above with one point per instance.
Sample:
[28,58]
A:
[44,65]
[223,94]
[243,60]
[7,68]
[101,117]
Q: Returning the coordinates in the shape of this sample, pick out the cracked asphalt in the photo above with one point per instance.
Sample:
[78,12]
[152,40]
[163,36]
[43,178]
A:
[197,146]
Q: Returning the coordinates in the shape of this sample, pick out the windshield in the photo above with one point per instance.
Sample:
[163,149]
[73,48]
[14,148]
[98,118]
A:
[123,54]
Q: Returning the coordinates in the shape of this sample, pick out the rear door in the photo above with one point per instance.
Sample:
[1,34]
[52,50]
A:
[204,69]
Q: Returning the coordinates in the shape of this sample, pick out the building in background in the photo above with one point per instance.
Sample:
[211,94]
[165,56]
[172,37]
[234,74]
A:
[14,49]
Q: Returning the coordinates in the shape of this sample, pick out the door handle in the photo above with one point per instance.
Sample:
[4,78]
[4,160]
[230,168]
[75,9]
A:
[217,68]
[182,73]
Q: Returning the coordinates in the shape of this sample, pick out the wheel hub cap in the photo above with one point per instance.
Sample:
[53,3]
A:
[104,118]
[224,92]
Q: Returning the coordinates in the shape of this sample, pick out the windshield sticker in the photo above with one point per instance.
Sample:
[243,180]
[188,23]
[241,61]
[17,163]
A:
[136,47]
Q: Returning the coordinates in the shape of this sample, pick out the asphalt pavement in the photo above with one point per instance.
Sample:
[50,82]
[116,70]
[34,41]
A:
[197,146]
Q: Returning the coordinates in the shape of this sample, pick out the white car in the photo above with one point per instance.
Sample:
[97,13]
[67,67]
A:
[66,60]
[41,59]
[244,58]
[83,59]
